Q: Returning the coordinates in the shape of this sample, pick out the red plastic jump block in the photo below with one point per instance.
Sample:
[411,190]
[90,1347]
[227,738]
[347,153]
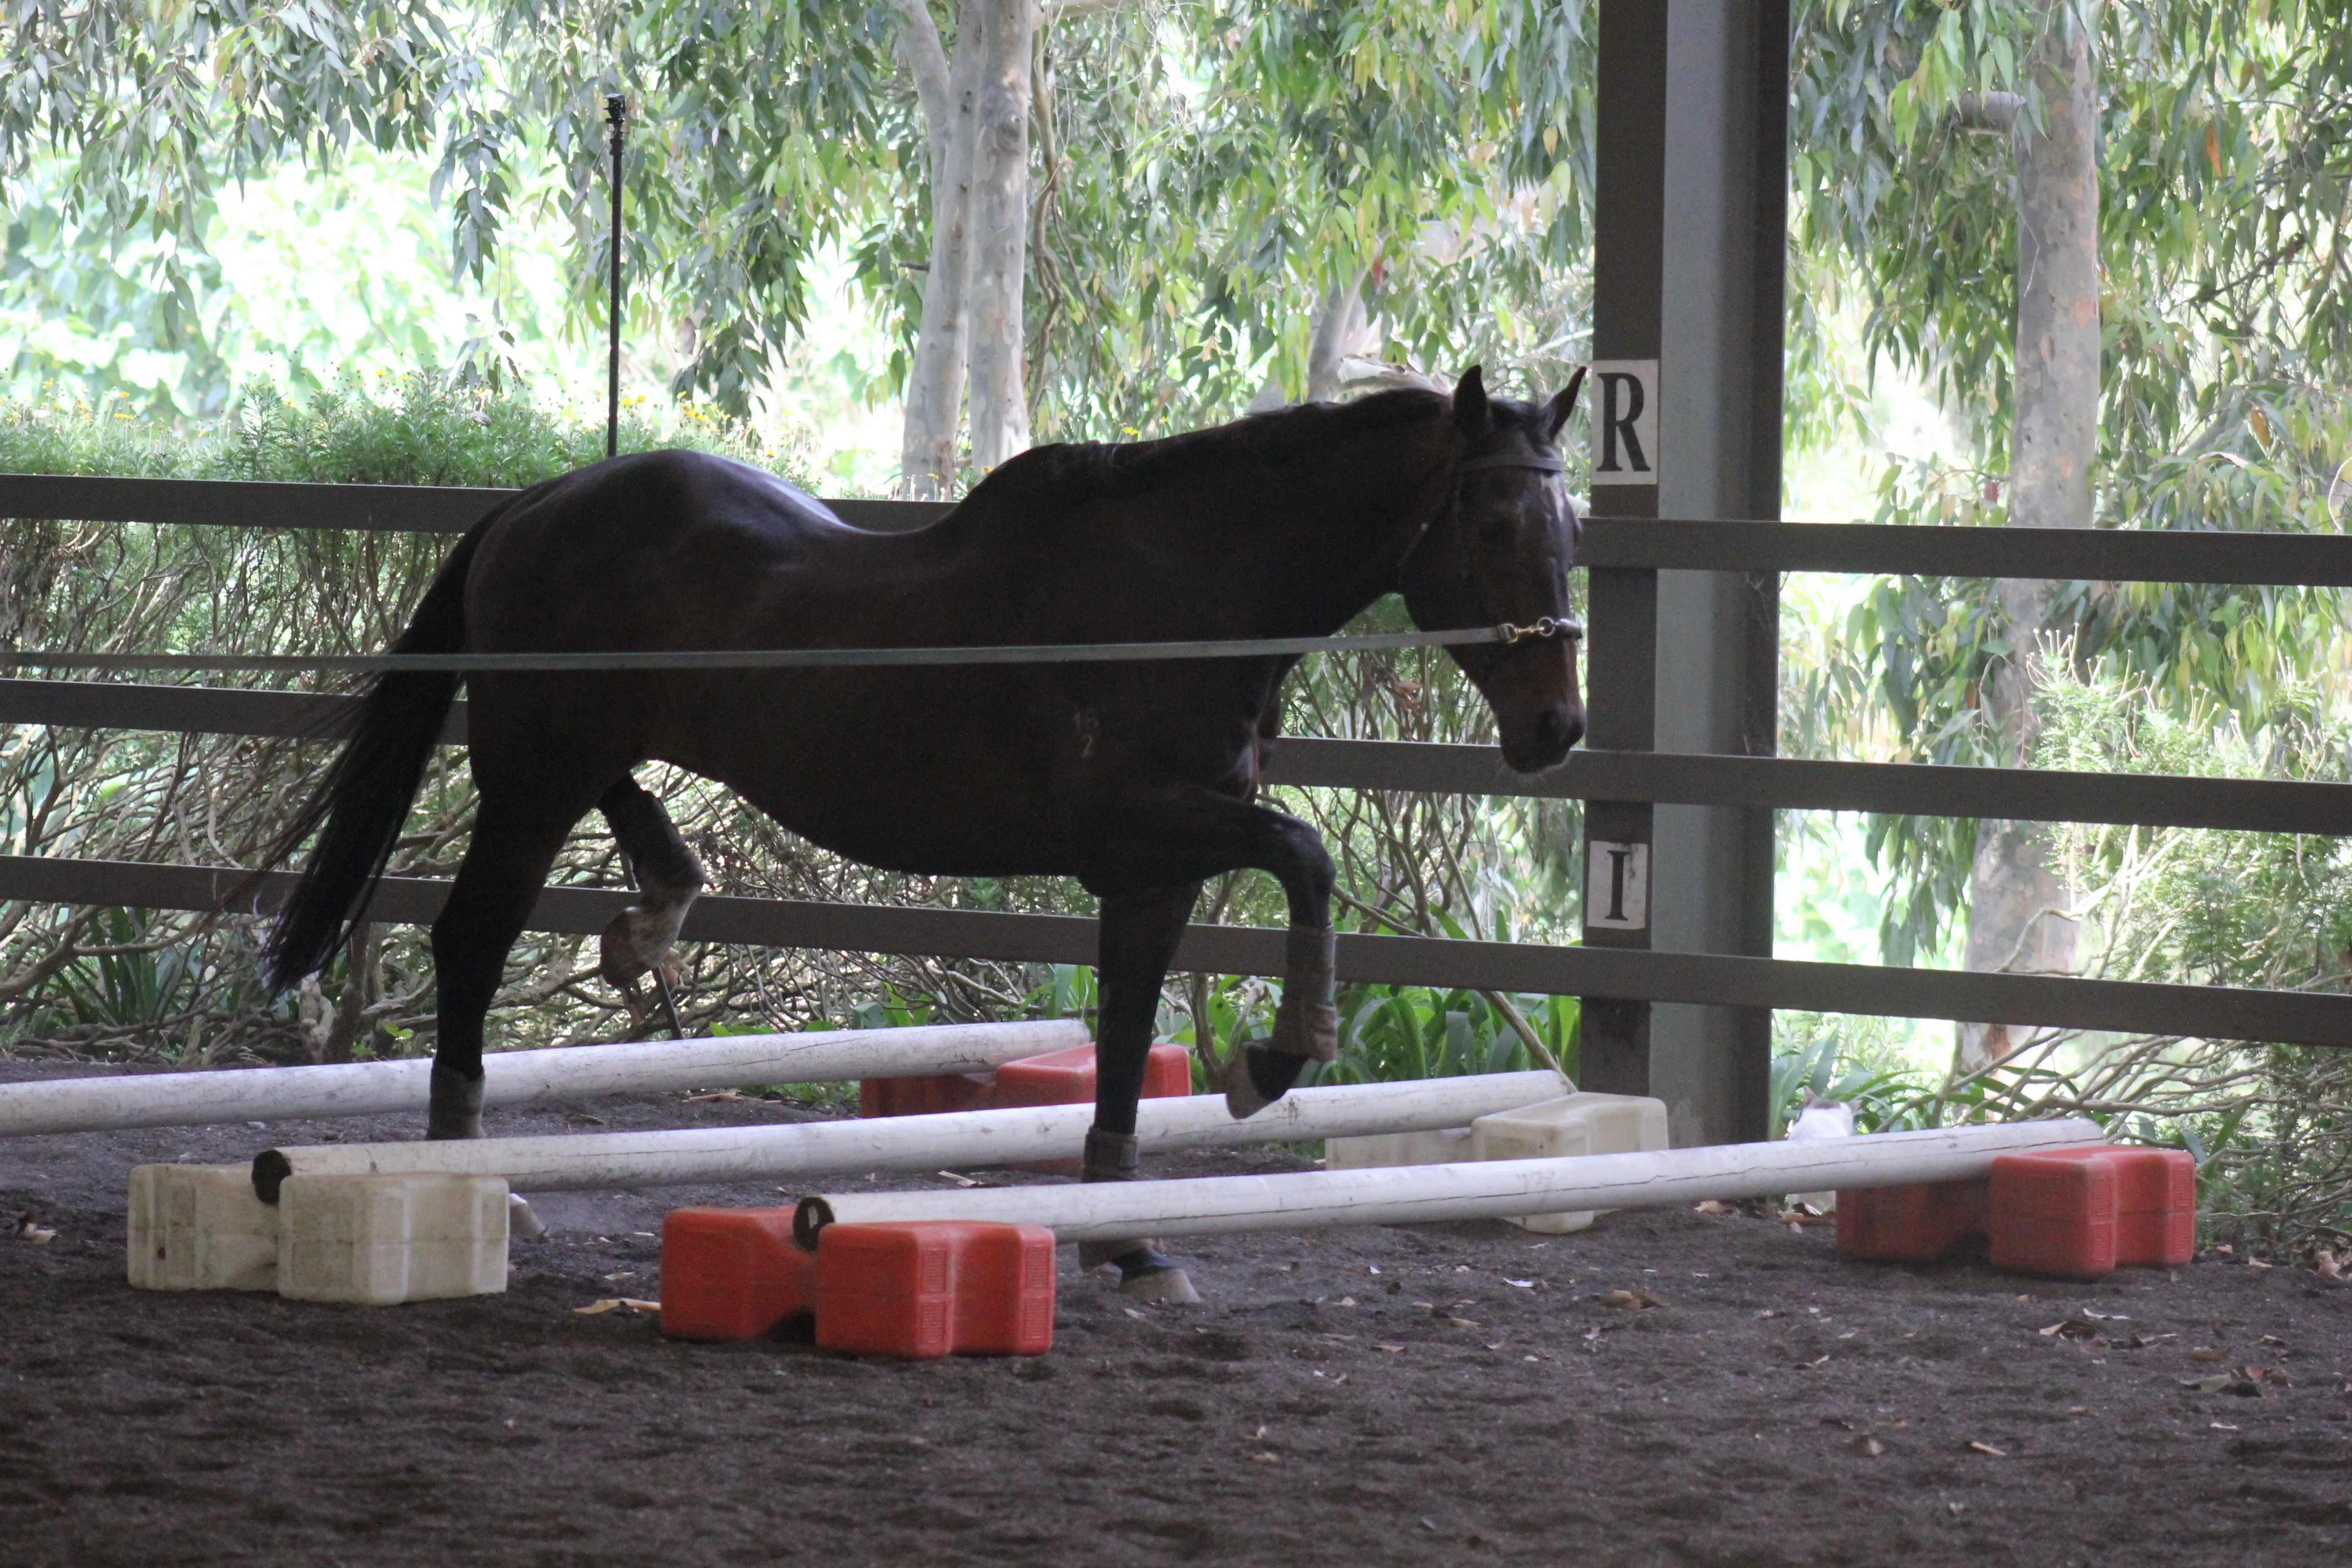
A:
[1067,1077]
[932,1289]
[732,1274]
[2054,1215]
[925,1095]
[2154,1200]
[1914,1224]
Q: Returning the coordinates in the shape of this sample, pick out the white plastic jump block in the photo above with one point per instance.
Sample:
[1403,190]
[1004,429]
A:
[380,1240]
[1571,1125]
[1375,1150]
[200,1228]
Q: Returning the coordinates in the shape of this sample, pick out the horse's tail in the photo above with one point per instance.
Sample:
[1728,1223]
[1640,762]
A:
[365,797]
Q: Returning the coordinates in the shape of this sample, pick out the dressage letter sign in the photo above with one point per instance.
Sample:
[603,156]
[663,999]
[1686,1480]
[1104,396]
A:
[1626,422]
[1617,886]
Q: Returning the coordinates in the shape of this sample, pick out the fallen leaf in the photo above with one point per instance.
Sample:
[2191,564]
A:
[1988,1448]
[1391,1349]
[1714,1206]
[2258,1263]
[2329,1266]
[2224,1426]
[1811,1364]
[2206,1352]
[1340,1379]
[2214,1384]
[961,1181]
[1521,1284]
[722,1094]
[609,1304]
[1868,1447]
[1345,1301]
[1632,1300]
[1462,1322]
[1263,1458]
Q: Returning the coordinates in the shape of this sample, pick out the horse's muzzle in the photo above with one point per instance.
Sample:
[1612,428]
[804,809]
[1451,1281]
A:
[1545,741]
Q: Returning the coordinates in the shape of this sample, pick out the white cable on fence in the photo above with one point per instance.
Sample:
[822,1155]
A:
[914,1142]
[1415,1194]
[782,659]
[524,1078]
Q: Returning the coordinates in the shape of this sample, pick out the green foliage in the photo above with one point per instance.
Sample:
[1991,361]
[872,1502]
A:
[1853,1060]
[1210,169]
[1387,1033]
[2227,317]
[421,428]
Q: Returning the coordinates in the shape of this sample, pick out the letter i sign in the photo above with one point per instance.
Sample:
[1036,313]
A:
[1616,886]
[1626,422]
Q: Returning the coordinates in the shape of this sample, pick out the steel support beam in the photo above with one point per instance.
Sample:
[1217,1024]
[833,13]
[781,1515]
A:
[1690,226]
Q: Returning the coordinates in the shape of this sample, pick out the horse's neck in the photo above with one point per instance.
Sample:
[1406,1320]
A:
[1370,495]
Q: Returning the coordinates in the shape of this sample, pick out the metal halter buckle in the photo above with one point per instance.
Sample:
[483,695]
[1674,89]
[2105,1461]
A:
[1546,629]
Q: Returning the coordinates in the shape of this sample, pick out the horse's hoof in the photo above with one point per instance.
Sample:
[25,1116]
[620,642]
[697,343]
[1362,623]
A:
[1093,1255]
[455,1109]
[1170,1286]
[520,1221]
[628,949]
[1261,1073]
[1243,1098]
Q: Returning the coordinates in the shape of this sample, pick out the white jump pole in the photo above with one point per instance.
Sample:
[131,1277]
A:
[524,1078]
[912,1142]
[1414,1194]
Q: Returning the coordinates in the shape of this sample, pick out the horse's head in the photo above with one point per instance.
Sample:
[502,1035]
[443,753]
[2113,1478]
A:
[1498,552]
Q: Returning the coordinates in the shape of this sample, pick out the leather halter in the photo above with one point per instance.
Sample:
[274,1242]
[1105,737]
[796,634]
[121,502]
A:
[1541,462]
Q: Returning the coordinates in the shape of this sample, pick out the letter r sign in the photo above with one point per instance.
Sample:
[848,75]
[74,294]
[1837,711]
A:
[1626,422]
[1616,886]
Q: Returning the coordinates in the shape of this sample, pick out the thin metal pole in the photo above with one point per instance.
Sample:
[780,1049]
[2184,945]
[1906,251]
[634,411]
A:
[616,115]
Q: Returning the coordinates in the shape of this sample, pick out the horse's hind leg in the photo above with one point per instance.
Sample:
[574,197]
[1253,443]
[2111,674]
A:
[1139,932]
[668,880]
[505,866]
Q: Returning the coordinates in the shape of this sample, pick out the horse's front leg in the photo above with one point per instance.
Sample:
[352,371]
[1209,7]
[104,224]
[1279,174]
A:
[1191,832]
[1139,933]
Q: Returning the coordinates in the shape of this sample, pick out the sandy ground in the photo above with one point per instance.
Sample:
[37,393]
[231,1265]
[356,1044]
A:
[1455,1394]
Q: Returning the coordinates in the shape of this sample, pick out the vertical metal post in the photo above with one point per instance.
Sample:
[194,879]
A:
[1691,233]
[616,115]
[1622,606]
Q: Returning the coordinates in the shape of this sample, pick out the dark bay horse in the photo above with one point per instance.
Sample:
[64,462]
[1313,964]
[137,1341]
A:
[1139,779]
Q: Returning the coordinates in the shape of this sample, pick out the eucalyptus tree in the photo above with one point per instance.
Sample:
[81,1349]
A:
[2220,299]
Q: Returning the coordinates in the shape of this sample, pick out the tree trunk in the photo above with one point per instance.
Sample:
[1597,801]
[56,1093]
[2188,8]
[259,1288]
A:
[1342,329]
[2017,898]
[950,98]
[999,236]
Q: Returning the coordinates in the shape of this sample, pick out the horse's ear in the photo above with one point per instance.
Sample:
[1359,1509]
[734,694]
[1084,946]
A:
[1555,413]
[1470,401]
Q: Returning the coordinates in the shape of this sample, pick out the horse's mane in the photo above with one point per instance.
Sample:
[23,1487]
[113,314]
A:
[1077,471]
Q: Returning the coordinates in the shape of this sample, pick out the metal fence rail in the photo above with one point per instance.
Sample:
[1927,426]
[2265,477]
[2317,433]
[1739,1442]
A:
[2261,804]
[2257,805]
[2098,554]
[2212,1011]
